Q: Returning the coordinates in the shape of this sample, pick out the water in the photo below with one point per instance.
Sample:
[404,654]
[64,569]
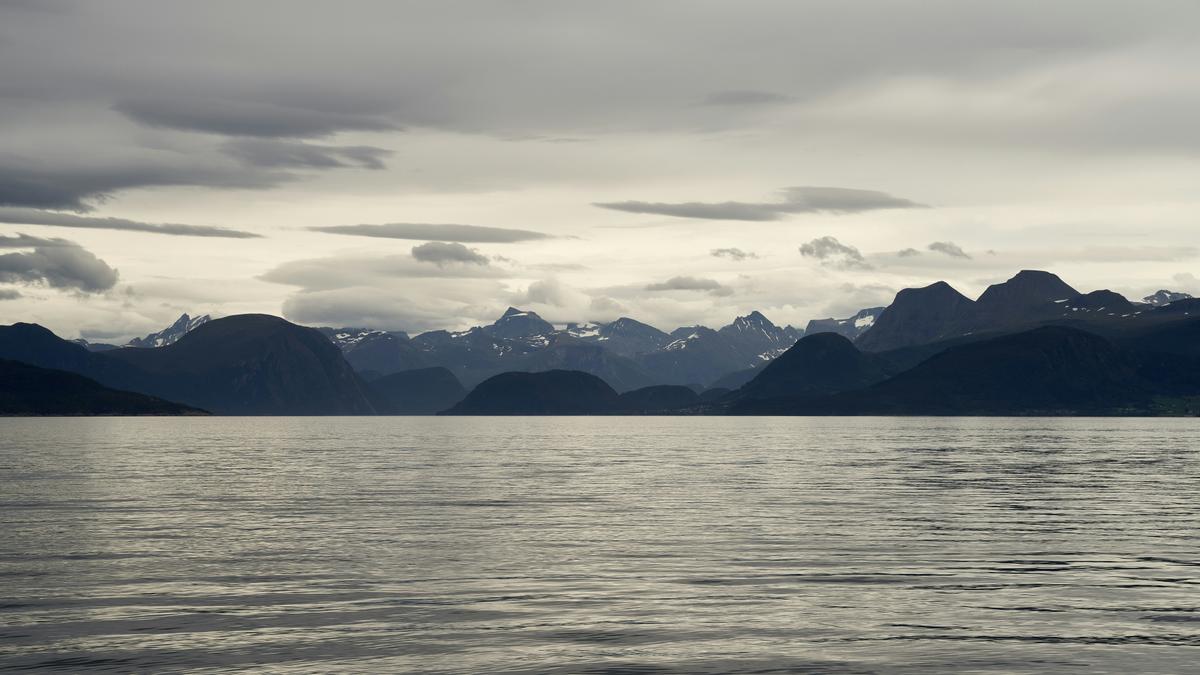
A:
[600,545]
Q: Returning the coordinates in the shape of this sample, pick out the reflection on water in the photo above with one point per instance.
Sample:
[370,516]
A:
[600,545]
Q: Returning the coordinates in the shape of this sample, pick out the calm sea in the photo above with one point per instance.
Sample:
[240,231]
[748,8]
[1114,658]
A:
[600,545]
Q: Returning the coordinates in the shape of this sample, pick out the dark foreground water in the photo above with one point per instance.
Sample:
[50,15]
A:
[600,545]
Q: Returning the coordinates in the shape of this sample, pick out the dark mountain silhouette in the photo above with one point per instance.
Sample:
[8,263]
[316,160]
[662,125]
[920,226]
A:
[35,345]
[423,391]
[1114,304]
[29,390]
[659,398]
[850,328]
[1050,370]
[252,364]
[819,364]
[1178,338]
[1021,299]
[554,392]
[919,316]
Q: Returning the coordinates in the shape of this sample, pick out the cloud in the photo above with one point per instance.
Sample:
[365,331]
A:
[9,294]
[449,304]
[803,199]
[949,248]
[442,253]
[469,234]
[57,263]
[390,291]
[548,292]
[242,117]
[344,271]
[298,155]
[745,97]
[685,283]
[908,253]
[23,182]
[829,250]
[733,254]
[20,216]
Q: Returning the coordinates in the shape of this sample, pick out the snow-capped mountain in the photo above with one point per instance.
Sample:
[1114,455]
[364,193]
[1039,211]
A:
[171,334]
[625,351]
[624,336]
[701,355]
[1165,297]
[851,327]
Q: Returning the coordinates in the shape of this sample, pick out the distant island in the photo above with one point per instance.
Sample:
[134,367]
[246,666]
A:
[1032,345]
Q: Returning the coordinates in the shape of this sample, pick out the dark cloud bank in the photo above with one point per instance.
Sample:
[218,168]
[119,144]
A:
[57,263]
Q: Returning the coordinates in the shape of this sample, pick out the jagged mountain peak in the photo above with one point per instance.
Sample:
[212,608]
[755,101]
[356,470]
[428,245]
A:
[754,321]
[171,334]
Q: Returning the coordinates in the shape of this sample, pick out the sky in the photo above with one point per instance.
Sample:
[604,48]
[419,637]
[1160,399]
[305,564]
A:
[424,165]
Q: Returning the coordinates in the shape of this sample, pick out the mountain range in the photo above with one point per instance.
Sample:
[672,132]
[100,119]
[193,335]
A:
[1029,345]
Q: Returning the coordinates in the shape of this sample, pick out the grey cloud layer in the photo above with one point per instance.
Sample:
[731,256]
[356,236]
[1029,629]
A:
[19,216]
[795,200]
[686,283]
[72,186]
[57,263]
[443,253]
[469,234]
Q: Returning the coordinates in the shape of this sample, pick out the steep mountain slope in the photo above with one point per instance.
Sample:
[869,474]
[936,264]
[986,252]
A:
[252,364]
[918,316]
[423,391]
[819,364]
[553,392]
[29,390]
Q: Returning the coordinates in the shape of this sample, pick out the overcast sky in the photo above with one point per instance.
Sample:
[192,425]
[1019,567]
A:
[425,165]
